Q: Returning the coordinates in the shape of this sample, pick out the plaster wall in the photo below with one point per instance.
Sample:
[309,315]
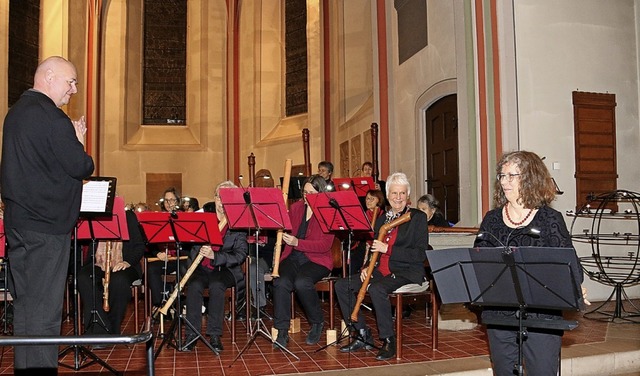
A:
[577,45]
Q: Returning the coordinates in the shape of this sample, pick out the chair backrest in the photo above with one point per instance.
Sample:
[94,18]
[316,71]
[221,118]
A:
[336,252]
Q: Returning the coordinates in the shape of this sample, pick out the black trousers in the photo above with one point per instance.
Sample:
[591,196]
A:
[217,281]
[541,351]
[379,289]
[301,277]
[38,266]
[119,297]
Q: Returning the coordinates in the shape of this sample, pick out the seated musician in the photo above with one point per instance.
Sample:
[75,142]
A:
[125,268]
[431,207]
[162,266]
[305,260]
[220,269]
[325,170]
[401,259]
[367,170]
[360,249]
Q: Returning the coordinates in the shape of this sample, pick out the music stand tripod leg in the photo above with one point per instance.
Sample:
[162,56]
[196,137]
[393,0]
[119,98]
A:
[259,327]
[80,353]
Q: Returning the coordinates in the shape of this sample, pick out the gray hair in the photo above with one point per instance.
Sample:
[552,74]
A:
[225,184]
[398,178]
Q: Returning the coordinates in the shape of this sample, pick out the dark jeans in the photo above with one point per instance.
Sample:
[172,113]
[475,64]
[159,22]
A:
[379,289]
[38,273]
[301,277]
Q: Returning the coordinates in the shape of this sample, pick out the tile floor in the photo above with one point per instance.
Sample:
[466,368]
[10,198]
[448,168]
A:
[261,359]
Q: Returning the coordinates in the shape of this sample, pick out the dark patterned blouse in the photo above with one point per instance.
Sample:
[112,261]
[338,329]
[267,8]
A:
[553,233]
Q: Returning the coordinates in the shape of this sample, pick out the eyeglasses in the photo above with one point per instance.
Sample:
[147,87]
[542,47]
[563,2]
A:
[172,200]
[509,177]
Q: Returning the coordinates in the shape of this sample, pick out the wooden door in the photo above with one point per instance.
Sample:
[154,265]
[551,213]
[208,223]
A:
[442,155]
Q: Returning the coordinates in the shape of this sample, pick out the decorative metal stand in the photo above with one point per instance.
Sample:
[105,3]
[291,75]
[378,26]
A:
[610,223]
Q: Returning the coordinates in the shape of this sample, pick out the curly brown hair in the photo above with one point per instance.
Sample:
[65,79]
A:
[536,186]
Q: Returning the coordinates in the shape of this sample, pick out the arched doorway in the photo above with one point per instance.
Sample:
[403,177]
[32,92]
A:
[443,176]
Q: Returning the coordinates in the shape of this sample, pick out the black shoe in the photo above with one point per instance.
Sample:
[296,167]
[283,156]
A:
[241,316]
[190,342]
[216,343]
[314,333]
[362,340]
[282,340]
[388,349]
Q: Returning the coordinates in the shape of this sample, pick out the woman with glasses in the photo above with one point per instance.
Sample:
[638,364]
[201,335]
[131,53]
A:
[305,260]
[162,253]
[522,194]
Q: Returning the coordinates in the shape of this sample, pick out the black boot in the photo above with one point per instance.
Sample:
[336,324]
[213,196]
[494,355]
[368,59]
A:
[362,340]
[282,340]
[388,349]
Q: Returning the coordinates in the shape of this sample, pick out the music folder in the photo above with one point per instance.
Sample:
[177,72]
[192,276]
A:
[98,194]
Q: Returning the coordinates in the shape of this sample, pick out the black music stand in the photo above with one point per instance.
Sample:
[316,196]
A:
[102,217]
[296,184]
[256,209]
[524,278]
[180,228]
[338,212]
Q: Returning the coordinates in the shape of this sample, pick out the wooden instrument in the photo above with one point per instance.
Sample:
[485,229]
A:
[384,230]
[107,278]
[169,258]
[187,275]
[374,151]
[454,230]
[277,251]
[251,161]
[307,152]
[376,210]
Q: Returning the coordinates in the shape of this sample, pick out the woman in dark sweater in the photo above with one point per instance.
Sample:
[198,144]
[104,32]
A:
[522,194]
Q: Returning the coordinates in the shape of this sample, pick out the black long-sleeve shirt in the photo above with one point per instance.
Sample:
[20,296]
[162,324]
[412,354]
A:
[43,165]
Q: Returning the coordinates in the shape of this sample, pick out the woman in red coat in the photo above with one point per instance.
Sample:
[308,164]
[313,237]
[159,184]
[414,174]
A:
[305,260]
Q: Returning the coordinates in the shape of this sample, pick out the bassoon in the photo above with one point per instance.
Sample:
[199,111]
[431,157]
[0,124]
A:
[183,282]
[285,195]
[384,230]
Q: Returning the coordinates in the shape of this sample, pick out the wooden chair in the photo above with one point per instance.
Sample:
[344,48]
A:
[327,283]
[427,288]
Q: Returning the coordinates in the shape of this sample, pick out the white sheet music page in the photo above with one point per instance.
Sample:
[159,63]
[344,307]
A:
[94,196]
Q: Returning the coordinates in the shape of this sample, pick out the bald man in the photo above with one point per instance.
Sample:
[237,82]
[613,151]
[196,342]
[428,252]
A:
[43,165]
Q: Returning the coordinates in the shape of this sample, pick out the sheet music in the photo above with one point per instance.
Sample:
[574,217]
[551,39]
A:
[94,196]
